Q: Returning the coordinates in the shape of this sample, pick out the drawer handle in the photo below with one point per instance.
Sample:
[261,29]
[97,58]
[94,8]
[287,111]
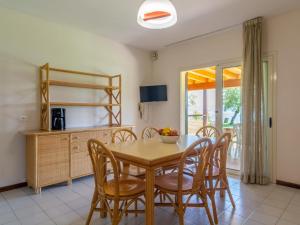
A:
[74,138]
[64,139]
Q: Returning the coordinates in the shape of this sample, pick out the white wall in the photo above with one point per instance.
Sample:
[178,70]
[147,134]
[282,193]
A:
[225,46]
[26,43]
[281,35]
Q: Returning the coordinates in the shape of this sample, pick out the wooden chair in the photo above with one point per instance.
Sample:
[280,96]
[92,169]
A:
[208,131]
[114,192]
[186,182]
[149,133]
[123,135]
[236,142]
[216,176]
[128,136]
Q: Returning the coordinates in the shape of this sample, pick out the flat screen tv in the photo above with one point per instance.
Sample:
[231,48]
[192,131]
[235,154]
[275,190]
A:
[154,93]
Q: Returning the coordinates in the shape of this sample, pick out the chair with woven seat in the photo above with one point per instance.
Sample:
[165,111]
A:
[236,142]
[128,136]
[208,131]
[187,183]
[149,133]
[115,193]
[216,176]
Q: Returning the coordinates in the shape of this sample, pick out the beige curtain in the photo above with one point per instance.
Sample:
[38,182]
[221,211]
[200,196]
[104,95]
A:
[254,167]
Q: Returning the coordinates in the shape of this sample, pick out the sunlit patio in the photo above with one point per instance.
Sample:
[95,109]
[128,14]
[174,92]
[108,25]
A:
[202,105]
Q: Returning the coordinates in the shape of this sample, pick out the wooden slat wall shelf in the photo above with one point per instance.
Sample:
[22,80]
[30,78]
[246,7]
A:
[58,156]
[81,85]
[113,107]
[86,104]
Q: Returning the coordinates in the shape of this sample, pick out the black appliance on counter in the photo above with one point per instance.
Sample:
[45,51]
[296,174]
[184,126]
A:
[58,118]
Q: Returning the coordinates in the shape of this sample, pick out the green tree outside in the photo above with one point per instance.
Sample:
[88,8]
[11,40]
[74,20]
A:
[232,102]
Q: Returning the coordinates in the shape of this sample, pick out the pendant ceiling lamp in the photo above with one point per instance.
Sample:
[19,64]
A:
[157,14]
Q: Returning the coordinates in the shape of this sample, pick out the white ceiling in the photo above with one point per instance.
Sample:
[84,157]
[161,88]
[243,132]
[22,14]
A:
[116,19]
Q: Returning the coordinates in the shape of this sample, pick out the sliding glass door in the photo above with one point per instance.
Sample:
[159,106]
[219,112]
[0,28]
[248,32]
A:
[231,113]
[214,98]
[201,95]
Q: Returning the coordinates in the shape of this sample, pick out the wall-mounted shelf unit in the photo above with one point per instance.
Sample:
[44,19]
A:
[112,87]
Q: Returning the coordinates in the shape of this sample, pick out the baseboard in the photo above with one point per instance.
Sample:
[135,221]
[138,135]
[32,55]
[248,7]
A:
[287,184]
[13,186]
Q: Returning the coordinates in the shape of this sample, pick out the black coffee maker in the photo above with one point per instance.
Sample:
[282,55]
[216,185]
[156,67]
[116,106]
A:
[58,118]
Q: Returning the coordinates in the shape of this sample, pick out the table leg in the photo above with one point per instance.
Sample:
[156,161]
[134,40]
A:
[150,178]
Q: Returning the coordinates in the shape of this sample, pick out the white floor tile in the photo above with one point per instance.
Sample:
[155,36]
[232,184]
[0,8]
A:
[22,202]
[47,222]
[276,203]
[67,219]
[35,219]
[263,218]
[252,222]
[5,208]
[231,218]
[16,222]
[292,208]
[13,194]
[23,213]
[269,210]
[51,203]
[79,203]
[58,211]
[67,196]
[7,217]
[291,217]
[69,205]
[284,222]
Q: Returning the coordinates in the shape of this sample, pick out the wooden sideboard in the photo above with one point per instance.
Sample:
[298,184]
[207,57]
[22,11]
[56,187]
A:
[59,156]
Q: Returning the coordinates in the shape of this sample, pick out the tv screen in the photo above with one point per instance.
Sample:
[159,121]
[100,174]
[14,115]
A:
[153,93]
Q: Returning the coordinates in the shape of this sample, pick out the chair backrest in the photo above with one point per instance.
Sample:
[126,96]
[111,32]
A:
[237,133]
[100,157]
[219,154]
[123,135]
[200,150]
[149,133]
[208,131]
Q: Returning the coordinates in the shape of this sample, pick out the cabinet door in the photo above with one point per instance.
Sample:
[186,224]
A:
[53,159]
[81,164]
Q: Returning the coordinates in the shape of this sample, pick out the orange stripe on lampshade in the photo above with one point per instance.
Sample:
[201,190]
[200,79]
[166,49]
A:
[155,15]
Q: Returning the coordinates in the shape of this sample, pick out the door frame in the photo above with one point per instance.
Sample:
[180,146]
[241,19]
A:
[272,111]
[220,89]
[271,57]
[219,92]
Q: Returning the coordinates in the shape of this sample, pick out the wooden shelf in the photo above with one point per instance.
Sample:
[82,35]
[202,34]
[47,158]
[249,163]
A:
[82,104]
[81,85]
[112,90]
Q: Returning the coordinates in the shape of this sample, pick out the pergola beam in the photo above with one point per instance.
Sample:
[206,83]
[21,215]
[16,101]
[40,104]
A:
[202,74]
[212,85]
[196,78]
[230,75]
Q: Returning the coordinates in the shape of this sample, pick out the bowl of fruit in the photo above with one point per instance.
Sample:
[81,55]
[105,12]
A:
[168,135]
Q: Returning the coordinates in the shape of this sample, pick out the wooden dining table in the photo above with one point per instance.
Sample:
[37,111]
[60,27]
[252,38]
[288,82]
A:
[151,155]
